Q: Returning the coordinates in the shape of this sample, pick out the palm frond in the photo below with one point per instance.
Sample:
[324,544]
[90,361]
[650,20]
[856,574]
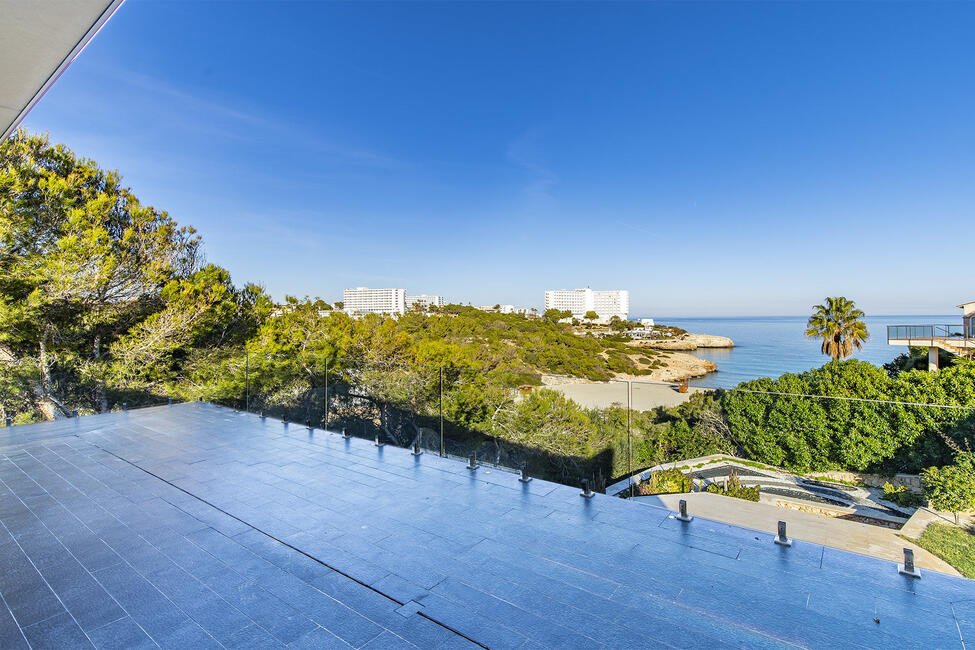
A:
[840,325]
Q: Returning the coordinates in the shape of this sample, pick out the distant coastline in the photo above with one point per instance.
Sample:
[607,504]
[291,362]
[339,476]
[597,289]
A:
[764,346]
[769,346]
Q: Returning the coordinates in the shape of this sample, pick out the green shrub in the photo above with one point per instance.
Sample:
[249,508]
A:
[735,489]
[748,494]
[952,487]
[813,434]
[900,495]
[665,481]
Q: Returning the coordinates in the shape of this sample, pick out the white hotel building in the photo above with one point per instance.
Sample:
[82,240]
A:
[606,304]
[424,302]
[362,300]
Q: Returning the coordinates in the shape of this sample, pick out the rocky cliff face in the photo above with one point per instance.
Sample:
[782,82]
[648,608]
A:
[686,342]
[683,366]
[709,341]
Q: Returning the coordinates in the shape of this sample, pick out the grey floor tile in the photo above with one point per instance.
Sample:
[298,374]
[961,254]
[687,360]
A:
[120,635]
[389,641]
[56,632]
[252,637]
[506,564]
[319,638]
[10,632]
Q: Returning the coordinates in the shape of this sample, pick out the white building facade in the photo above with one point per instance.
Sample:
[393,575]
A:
[606,304]
[363,300]
[424,302]
[968,318]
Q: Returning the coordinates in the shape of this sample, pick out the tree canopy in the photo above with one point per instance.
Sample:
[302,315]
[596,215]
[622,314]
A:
[85,267]
[833,429]
[952,487]
[840,326]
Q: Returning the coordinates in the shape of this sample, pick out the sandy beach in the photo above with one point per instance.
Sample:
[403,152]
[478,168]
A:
[645,396]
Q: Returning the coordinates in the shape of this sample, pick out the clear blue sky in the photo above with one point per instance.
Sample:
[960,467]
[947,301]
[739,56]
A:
[714,159]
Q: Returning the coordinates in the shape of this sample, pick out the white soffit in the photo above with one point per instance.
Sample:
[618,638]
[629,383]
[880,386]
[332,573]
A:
[38,40]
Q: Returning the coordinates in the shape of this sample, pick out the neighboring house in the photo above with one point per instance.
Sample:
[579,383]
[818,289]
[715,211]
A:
[953,338]
[968,318]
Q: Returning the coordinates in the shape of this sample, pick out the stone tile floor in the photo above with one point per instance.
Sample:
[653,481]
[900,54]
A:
[193,526]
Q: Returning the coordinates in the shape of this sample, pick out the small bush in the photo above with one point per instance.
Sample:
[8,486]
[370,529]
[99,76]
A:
[952,487]
[735,489]
[900,495]
[666,481]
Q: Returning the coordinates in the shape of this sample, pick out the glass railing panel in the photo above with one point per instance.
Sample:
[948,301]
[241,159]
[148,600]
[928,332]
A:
[561,429]
[480,416]
[90,392]
[396,403]
[220,379]
[925,332]
[672,422]
[284,387]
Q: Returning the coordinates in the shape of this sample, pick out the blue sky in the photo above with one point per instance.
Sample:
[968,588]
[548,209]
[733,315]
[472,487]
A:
[714,159]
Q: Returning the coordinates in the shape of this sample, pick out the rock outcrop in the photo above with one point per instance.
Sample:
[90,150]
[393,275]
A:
[709,341]
[686,342]
[682,366]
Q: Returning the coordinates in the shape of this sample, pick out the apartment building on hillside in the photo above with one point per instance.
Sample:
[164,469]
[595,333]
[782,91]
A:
[363,300]
[606,304]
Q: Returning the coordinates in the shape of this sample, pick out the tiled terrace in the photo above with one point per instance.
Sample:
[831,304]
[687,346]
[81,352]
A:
[194,526]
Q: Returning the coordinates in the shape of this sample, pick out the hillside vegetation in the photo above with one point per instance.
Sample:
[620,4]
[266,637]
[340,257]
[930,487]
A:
[105,300]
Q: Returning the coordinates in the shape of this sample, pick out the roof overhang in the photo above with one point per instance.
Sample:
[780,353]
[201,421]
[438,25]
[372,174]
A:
[38,41]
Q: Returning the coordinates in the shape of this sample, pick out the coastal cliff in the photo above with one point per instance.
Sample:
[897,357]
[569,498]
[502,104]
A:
[685,342]
[679,365]
[671,363]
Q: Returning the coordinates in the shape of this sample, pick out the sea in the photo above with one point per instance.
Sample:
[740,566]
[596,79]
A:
[768,346]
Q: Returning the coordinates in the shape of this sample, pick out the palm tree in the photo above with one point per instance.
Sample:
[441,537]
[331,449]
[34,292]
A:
[840,324]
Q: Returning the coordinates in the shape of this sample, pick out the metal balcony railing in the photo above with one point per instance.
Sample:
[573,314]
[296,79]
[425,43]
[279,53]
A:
[928,333]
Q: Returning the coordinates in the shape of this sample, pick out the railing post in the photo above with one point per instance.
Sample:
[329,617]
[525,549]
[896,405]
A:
[325,413]
[443,450]
[586,490]
[781,537]
[629,436]
[247,381]
[908,568]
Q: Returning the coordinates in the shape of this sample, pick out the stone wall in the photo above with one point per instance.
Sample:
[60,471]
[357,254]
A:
[910,481]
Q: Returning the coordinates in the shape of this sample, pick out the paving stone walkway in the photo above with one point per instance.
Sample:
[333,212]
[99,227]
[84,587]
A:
[195,526]
[851,536]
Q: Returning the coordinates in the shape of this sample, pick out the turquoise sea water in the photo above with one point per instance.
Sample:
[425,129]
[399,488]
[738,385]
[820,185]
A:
[772,345]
